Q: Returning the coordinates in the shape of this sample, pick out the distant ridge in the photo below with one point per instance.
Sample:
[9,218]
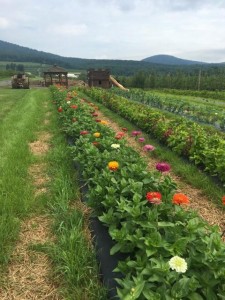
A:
[10,52]
[171,60]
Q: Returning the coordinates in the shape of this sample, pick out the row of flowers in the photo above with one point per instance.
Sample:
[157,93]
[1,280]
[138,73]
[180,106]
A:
[202,145]
[168,247]
[207,114]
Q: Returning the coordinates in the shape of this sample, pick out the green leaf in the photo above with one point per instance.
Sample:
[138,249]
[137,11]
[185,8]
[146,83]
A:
[195,296]
[180,245]
[115,248]
[183,287]
[166,224]
[138,290]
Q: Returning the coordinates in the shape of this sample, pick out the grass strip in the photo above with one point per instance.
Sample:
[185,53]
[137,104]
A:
[73,256]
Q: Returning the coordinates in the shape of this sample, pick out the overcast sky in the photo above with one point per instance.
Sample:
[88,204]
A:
[117,29]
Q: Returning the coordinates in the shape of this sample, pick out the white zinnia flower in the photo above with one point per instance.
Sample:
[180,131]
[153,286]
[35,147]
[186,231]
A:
[178,264]
[115,146]
[68,102]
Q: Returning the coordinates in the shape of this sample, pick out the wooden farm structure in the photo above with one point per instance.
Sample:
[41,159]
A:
[102,78]
[99,78]
[56,75]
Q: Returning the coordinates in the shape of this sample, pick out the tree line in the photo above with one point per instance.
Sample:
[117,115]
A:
[14,67]
[208,79]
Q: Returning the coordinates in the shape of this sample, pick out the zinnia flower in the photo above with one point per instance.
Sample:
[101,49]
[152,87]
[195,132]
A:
[94,114]
[135,133]
[83,132]
[124,129]
[163,167]
[119,135]
[97,134]
[154,197]
[148,148]
[141,139]
[223,200]
[98,120]
[178,264]
[113,165]
[96,144]
[115,146]
[103,122]
[74,106]
[179,199]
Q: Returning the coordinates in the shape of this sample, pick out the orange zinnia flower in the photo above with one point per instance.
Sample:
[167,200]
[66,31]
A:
[179,199]
[113,165]
[223,200]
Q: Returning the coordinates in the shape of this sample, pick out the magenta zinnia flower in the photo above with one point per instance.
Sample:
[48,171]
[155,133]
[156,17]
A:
[148,148]
[162,167]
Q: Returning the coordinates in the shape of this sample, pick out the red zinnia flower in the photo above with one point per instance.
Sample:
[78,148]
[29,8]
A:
[74,106]
[83,132]
[223,200]
[154,197]
[179,199]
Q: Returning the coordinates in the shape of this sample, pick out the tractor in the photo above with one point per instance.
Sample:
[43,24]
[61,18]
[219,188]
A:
[20,81]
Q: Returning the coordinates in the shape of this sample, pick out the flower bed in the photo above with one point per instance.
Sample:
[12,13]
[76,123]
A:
[205,147]
[168,247]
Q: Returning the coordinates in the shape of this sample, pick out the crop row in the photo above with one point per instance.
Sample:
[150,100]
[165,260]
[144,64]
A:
[203,146]
[168,248]
[207,114]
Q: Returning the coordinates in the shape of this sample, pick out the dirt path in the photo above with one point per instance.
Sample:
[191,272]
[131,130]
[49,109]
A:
[28,276]
[206,209]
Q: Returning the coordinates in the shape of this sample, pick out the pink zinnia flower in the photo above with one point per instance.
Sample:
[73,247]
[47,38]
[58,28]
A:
[135,133]
[162,167]
[141,139]
[148,148]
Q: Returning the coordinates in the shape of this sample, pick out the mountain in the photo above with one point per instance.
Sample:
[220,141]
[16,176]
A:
[171,60]
[15,53]
[162,64]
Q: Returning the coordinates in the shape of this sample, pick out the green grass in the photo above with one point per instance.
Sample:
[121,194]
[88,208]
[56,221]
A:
[74,266]
[73,257]
[19,122]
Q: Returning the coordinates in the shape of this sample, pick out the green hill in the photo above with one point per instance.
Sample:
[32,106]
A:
[170,60]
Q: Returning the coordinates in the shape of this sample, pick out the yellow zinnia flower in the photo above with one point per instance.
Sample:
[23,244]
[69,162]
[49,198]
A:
[113,165]
[97,134]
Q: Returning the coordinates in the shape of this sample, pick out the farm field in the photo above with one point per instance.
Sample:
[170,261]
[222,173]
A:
[140,206]
[158,207]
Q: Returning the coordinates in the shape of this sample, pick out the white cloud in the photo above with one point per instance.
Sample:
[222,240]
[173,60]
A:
[117,29]
[68,29]
[4,23]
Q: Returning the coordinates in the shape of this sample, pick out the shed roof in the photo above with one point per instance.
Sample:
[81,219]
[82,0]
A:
[56,69]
